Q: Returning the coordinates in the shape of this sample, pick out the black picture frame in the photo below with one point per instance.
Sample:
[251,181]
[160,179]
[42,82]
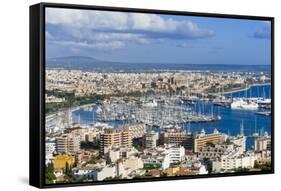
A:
[37,92]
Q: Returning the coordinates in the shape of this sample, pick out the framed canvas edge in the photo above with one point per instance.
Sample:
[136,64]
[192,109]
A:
[40,87]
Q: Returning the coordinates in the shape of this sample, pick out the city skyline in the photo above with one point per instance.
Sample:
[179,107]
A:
[155,38]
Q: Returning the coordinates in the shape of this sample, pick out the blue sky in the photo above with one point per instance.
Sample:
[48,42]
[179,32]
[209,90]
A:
[151,38]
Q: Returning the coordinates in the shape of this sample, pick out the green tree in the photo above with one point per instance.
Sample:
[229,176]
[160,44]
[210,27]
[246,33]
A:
[263,166]
[49,174]
[69,175]
[66,169]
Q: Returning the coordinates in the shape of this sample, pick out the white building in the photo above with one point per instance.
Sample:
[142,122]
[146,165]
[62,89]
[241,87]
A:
[117,153]
[263,144]
[175,153]
[164,155]
[114,155]
[50,148]
[239,141]
[202,170]
[234,160]
[123,169]
[133,163]
[53,99]
[111,171]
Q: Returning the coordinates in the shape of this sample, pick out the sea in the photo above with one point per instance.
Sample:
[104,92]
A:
[233,119]
[152,67]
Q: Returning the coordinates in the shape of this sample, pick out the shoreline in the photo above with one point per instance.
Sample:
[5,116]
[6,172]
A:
[247,88]
[71,109]
[241,90]
[74,108]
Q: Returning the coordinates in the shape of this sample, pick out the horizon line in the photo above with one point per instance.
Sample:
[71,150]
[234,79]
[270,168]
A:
[126,62]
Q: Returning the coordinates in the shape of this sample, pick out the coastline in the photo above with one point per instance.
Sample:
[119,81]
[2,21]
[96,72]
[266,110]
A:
[243,89]
[71,109]
[74,108]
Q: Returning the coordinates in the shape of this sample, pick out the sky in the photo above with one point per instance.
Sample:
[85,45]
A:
[156,38]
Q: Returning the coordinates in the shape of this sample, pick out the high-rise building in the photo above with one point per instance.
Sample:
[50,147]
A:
[126,139]
[114,137]
[202,139]
[150,139]
[68,143]
[136,130]
[176,137]
[263,144]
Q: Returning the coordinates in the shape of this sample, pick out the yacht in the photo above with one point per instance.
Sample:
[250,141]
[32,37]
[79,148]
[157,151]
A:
[239,103]
[152,103]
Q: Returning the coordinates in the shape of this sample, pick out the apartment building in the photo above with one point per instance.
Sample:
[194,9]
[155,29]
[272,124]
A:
[234,160]
[176,137]
[68,143]
[202,139]
[114,137]
[150,139]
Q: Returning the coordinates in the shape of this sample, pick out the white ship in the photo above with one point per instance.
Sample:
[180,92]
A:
[152,103]
[264,101]
[239,103]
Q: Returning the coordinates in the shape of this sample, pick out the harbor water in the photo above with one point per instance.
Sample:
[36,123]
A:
[230,123]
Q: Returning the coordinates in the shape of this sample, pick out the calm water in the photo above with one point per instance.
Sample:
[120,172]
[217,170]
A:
[231,119]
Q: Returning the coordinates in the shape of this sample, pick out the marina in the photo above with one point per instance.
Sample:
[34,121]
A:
[191,117]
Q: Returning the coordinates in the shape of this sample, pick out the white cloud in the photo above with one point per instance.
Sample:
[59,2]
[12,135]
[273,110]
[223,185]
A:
[148,22]
[86,18]
[119,21]
[103,27]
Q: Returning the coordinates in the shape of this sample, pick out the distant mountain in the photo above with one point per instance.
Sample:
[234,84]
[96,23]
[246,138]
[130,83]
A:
[73,58]
[80,62]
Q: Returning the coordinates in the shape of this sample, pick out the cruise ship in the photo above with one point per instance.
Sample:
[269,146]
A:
[239,103]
